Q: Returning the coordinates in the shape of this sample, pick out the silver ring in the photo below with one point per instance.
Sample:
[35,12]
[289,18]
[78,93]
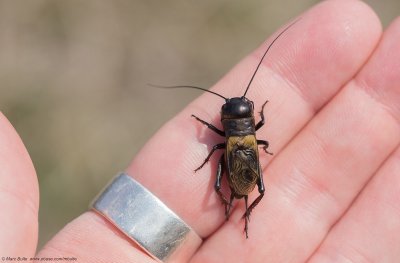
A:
[146,220]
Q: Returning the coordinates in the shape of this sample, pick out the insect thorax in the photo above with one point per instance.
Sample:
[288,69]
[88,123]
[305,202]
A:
[239,127]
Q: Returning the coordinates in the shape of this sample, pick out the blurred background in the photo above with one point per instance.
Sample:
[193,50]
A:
[73,79]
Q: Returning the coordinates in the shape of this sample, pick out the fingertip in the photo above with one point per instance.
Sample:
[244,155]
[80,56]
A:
[316,56]
[381,75]
[326,48]
[18,172]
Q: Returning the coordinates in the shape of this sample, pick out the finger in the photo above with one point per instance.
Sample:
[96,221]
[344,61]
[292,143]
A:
[370,230]
[19,196]
[165,165]
[315,179]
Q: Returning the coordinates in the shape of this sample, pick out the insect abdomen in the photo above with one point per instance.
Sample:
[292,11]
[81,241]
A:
[242,163]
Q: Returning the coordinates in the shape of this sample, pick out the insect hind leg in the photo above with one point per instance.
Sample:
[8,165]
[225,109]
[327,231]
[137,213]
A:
[246,216]
[227,211]
[217,186]
[261,190]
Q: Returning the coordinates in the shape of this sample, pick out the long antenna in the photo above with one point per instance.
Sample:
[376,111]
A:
[189,87]
[273,41]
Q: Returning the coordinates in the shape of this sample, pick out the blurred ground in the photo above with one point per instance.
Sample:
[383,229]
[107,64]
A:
[73,79]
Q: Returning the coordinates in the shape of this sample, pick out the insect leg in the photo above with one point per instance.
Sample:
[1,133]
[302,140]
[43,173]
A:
[261,190]
[266,144]
[210,126]
[217,186]
[262,121]
[229,206]
[246,216]
[216,147]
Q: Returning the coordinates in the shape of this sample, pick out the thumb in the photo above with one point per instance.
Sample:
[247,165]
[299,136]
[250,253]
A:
[19,196]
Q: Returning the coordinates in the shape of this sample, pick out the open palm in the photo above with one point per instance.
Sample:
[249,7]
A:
[332,185]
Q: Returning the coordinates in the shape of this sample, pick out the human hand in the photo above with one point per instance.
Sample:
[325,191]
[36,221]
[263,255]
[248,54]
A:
[333,123]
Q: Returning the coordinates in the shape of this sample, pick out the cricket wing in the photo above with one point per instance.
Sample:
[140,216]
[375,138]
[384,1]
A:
[242,163]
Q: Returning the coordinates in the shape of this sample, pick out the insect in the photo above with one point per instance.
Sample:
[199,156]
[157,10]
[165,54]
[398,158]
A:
[240,161]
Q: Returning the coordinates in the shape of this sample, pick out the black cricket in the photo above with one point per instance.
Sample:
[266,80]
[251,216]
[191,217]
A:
[240,161]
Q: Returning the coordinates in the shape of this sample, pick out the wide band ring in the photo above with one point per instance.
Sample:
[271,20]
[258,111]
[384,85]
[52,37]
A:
[146,220]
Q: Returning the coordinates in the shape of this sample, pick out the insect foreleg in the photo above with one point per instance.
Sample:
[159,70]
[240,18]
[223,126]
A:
[266,144]
[262,121]
[216,147]
[217,186]
[210,126]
